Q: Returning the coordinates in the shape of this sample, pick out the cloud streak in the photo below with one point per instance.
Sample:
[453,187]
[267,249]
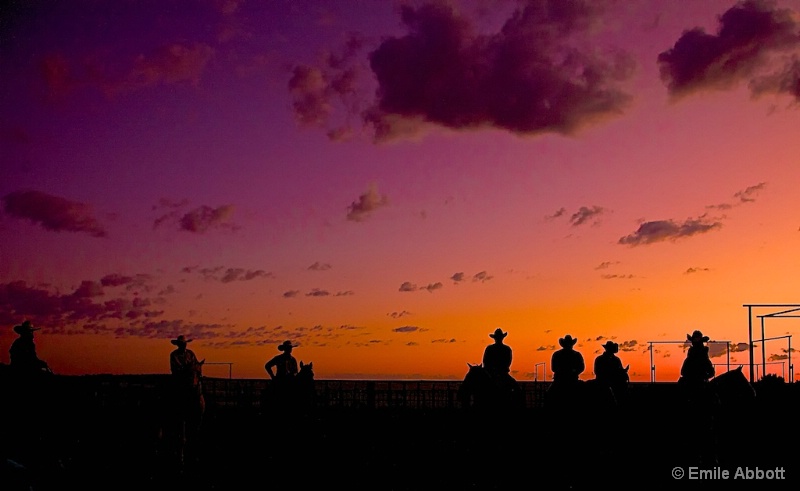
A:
[53,213]
[668,230]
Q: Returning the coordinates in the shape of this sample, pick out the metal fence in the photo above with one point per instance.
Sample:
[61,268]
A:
[359,394]
[132,391]
[145,392]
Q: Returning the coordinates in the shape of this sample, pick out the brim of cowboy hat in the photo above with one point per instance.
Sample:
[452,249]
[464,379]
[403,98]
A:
[176,342]
[21,329]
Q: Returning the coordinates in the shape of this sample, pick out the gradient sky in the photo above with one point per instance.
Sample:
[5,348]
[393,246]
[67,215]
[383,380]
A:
[386,183]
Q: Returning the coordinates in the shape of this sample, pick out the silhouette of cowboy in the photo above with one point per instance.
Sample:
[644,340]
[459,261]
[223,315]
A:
[184,365]
[24,359]
[609,372]
[497,356]
[697,369]
[702,400]
[188,400]
[282,367]
[567,363]
[283,370]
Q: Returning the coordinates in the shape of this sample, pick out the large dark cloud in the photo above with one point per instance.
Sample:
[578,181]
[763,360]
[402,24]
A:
[753,43]
[540,72]
[530,77]
[53,212]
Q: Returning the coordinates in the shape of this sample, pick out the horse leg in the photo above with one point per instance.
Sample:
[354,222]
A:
[192,430]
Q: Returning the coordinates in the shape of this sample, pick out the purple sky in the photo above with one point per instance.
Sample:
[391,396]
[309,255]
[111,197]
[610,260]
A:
[385,183]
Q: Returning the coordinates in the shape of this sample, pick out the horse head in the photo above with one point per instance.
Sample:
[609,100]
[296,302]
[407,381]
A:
[733,386]
[306,370]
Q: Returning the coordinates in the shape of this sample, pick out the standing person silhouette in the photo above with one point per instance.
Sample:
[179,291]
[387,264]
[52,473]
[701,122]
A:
[282,370]
[282,367]
[609,372]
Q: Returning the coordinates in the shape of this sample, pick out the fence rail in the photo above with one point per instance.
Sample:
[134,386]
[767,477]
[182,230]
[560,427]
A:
[222,392]
[143,392]
[359,394]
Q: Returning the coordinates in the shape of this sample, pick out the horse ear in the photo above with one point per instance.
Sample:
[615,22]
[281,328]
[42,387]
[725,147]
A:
[301,363]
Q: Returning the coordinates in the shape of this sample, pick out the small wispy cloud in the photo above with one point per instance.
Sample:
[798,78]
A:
[669,230]
[318,266]
[586,214]
[367,203]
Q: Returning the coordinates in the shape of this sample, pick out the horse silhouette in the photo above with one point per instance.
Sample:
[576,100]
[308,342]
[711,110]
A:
[733,389]
[619,387]
[295,395]
[304,390]
[579,395]
[709,409]
[479,390]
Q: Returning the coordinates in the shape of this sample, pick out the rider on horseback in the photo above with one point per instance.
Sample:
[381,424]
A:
[697,368]
[184,366]
[609,372]
[24,360]
[497,359]
[567,363]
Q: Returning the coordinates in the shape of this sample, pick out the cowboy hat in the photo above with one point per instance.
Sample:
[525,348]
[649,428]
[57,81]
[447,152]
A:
[25,327]
[567,341]
[611,346]
[286,345]
[697,337]
[498,334]
[181,340]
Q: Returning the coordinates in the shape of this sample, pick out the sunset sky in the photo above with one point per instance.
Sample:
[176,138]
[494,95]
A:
[385,183]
